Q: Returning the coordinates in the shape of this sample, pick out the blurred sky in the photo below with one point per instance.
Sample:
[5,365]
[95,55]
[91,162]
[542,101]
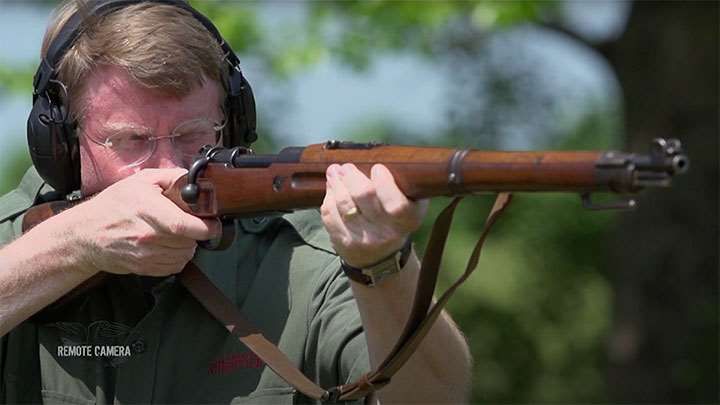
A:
[329,99]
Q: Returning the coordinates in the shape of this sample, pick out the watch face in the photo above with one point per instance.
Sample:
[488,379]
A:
[384,269]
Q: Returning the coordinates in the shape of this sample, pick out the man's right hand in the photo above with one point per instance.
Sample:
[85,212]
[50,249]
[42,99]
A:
[130,227]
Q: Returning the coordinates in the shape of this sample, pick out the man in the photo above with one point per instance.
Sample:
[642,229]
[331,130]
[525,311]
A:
[140,83]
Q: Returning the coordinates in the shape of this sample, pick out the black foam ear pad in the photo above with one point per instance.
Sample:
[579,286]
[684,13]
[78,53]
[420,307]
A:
[38,128]
[249,113]
[241,111]
[53,145]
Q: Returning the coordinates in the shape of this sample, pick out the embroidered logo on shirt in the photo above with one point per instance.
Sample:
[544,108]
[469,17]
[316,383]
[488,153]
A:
[233,362]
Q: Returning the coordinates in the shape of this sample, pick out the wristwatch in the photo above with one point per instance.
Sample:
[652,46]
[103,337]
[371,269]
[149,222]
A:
[375,273]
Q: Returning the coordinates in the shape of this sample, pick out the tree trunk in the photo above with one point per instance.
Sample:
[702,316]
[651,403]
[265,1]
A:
[664,266]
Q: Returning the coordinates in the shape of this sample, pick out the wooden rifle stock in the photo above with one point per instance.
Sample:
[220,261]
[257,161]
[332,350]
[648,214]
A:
[249,185]
[237,183]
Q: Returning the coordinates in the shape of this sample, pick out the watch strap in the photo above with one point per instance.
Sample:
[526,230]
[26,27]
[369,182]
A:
[373,274]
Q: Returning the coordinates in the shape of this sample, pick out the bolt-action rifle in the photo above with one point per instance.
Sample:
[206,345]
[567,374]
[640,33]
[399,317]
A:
[235,183]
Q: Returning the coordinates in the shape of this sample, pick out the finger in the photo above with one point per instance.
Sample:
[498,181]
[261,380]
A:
[342,230]
[393,201]
[197,228]
[162,254]
[147,259]
[332,220]
[169,241]
[343,201]
[164,178]
[168,218]
[363,192]
[214,225]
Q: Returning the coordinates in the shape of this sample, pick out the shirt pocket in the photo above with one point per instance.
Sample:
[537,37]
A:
[52,397]
[279,396]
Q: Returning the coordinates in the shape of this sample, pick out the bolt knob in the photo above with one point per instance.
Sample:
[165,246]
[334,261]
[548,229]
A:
[190,193]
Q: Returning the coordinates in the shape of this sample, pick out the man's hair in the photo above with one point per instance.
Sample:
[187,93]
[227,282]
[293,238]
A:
[161,46]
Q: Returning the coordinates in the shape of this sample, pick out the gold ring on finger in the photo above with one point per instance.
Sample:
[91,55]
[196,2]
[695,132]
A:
[352,212]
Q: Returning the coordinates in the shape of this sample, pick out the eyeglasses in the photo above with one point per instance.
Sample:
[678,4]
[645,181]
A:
[133,146]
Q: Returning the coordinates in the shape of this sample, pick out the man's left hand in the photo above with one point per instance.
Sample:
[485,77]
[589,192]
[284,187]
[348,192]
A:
[368,219]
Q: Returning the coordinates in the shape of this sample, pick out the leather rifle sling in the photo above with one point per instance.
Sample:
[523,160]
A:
[235,322]
[417,326]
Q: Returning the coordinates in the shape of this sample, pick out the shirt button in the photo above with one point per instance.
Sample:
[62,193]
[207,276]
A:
[138,346]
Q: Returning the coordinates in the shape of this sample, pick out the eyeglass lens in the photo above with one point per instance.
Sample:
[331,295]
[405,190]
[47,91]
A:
[187,138]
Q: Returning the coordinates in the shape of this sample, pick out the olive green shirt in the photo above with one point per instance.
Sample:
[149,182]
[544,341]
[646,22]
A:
[146,340]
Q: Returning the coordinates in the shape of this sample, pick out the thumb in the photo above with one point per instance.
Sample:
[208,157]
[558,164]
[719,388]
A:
[164,178]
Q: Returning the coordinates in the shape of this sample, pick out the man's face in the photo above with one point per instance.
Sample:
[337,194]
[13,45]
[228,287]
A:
[121,119]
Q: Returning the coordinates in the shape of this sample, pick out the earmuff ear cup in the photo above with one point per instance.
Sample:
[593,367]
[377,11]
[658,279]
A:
[240,107]
[53,145]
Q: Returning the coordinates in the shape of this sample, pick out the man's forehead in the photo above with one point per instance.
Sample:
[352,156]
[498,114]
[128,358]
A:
[111,94]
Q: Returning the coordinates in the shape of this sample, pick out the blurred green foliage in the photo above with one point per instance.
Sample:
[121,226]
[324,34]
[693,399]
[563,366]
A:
[16,79]
[537,311]
[356,31]
[16,164]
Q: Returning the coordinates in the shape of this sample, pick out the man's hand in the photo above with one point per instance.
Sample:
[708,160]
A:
[130,227]
[368,219]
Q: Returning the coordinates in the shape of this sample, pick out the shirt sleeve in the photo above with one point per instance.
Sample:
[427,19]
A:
[20,366]
[9,230]
[337,347]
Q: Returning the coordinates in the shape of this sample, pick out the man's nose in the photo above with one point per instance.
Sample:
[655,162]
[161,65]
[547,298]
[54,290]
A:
[166,155]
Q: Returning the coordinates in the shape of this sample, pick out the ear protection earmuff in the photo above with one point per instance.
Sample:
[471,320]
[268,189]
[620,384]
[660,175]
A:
[51,132]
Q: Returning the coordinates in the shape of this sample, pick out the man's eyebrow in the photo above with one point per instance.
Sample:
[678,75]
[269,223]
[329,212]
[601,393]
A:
[124,127]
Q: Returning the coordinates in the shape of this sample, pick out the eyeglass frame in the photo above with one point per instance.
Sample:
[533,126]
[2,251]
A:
[152,140]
